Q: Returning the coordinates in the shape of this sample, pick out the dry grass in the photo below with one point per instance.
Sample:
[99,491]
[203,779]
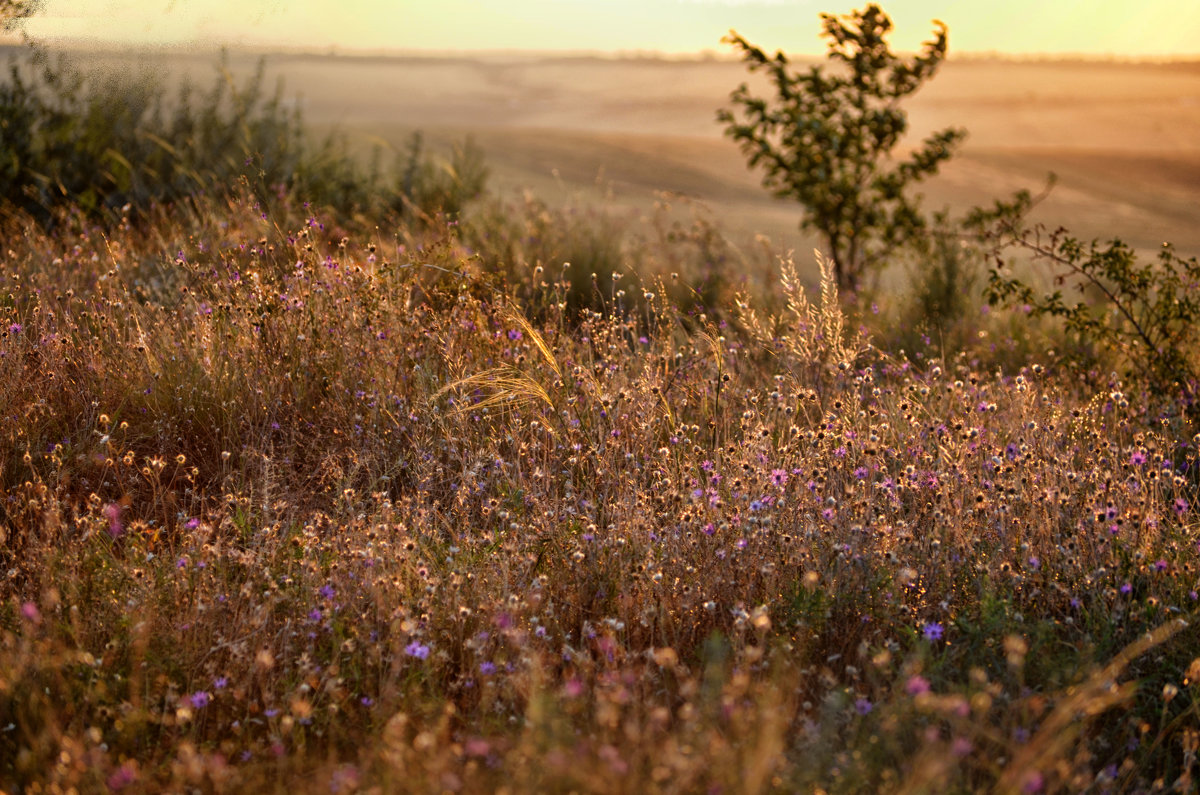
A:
[295,508]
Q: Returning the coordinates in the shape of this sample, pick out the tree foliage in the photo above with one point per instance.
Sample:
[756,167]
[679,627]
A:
[826,138]
[13,11]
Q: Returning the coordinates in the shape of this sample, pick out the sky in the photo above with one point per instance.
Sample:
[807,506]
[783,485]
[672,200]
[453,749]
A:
[1122,28]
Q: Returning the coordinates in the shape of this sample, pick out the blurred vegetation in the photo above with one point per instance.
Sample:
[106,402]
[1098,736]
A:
[98,142]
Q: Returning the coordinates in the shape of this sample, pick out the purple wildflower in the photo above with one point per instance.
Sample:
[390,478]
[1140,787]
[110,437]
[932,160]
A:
[917,685]
[112,512]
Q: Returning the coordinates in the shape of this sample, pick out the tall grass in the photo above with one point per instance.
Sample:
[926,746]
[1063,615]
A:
[291,504]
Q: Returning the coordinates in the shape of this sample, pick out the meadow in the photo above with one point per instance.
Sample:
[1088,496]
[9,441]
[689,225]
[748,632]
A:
[543,498]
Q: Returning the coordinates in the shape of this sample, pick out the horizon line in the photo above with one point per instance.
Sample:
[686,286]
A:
[617,54]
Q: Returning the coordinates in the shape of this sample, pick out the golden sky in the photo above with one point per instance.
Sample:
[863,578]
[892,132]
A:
[1154,28]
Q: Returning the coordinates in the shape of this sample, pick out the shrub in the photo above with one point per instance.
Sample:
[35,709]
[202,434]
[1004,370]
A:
[425,187]
[1144,314]
[98,142]
[826,139]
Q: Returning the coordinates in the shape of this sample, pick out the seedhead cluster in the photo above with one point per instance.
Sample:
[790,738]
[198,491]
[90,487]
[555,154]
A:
[289,505]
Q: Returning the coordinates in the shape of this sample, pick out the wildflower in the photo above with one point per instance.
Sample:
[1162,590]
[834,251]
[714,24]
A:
[861,473]
[199,699]
[112,512]
[863,706]
[514,334]
[345,779]
[192,524]
[1138,458]
[315,615]
[917,685]
[326,591]
[487,668]
[1126,588]
[417,649]
[779,477]
[1181,506]
[1160,565]
[31,613]
[932,631]
[220,683]
[123,776]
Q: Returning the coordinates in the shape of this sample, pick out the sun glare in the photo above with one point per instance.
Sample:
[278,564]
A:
[1122,28]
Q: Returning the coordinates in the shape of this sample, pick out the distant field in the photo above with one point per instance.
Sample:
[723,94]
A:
[1121,137]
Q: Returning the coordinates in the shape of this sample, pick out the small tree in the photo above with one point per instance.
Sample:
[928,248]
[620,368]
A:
[13,12]
[826,138]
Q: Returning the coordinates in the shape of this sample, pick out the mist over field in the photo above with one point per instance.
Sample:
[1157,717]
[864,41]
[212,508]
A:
[1118,134]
